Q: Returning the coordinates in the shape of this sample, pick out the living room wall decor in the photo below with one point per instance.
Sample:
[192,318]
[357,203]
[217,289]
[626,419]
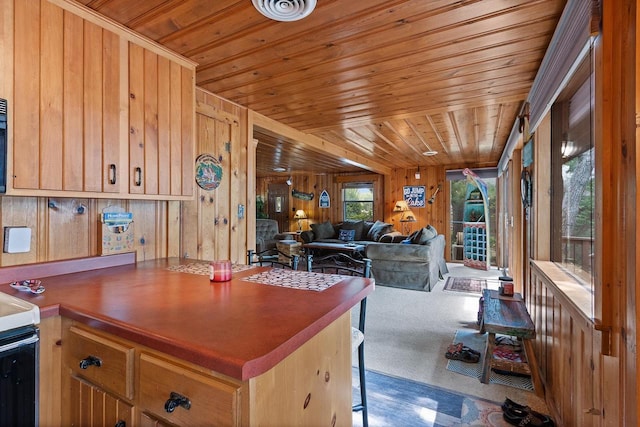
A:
[324,201]
[414,195]
[301,195]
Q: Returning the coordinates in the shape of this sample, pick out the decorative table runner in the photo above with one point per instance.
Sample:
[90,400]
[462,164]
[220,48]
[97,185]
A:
[296,279]
[203,268]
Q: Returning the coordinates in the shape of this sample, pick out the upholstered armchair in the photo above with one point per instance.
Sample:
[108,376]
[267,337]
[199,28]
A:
[267,234]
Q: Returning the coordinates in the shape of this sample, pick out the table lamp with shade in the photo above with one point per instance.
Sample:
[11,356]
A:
[300,215]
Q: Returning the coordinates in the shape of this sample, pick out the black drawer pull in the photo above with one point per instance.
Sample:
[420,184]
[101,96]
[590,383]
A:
[176,400]
[137,173]
[112,174]
[121,423]
[90,361]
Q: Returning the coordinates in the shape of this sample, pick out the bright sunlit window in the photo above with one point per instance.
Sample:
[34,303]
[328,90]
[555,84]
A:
[358,201]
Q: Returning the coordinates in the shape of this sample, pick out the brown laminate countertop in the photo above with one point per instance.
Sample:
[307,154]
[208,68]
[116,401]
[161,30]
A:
[237,328]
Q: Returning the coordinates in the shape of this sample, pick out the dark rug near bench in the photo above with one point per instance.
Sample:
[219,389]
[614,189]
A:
[465,284]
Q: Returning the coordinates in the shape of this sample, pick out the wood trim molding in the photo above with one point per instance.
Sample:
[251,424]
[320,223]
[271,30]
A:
[56,268]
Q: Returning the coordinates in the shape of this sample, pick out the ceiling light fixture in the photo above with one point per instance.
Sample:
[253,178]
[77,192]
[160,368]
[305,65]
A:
[285,10]
[279,169]
[430,153]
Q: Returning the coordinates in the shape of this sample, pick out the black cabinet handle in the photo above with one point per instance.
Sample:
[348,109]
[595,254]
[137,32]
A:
[137,173]
[121,423]
[176,400]
[112,174]
[90,361]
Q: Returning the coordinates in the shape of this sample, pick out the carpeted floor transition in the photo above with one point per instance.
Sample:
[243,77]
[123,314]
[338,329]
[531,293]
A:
[465,284]
[396,401]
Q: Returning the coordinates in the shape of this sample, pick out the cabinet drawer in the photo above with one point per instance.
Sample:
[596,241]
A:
[213,401]
[115,370]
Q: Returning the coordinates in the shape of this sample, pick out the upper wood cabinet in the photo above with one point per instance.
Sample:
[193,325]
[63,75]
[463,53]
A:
[97,110]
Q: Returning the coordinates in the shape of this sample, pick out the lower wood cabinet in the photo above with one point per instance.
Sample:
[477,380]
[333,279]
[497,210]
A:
[91,406]
[109,381]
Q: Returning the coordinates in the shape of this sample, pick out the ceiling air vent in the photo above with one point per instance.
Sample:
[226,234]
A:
[285,10]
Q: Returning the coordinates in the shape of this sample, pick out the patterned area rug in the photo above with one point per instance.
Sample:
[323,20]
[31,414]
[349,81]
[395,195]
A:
[477,341]
[465,284]
[394,401]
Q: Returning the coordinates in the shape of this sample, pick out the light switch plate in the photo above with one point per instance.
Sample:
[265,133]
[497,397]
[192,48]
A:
[17,239]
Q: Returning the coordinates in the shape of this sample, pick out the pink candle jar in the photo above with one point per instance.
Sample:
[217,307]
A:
[220,271]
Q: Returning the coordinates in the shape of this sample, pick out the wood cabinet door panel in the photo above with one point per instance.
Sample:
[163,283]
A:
[91,406]
[26,115]
[51,95]
[73,158]
[212,401]
[93,96]
[150,122]
[136,118]
[116,371]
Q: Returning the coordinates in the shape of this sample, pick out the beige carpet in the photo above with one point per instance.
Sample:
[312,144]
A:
[407,334]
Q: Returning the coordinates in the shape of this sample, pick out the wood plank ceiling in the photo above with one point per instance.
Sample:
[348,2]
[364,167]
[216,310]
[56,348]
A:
[388,80]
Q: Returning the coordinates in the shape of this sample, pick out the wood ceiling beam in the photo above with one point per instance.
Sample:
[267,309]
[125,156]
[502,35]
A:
[316,144]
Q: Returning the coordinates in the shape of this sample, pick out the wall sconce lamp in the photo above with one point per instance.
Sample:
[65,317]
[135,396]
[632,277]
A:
[433,196]
[300,215]
[417,175]
[289,181]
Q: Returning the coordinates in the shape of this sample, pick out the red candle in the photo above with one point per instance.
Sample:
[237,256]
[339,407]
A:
[220,271]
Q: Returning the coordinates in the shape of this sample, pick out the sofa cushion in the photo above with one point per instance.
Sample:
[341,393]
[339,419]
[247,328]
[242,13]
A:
[379,229]
[365,230]
[347,235]
[428,233]
[354,225]
[323,230]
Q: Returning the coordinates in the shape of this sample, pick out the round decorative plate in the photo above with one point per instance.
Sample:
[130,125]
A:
[208,172]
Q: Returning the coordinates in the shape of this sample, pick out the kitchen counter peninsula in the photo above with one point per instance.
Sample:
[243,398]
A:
[255,336]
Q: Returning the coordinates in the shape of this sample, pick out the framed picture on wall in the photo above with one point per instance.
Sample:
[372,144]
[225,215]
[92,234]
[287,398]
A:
[414,195]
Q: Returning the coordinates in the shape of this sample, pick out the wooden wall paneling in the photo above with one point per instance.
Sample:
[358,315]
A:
[51,95]
[150,170]
[165,164]
[187,139]
[209,210]
[73,101]
[238,175]
[222,195]
[93,95]
[173,229]
[67,230]
[26,118]
[145,228]
[114,59]
[20,211]
[136,117]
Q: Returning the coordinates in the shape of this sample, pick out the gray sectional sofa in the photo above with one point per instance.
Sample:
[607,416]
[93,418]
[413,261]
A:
[410,262]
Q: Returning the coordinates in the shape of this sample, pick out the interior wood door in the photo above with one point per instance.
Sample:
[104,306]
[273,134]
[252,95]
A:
[279,205]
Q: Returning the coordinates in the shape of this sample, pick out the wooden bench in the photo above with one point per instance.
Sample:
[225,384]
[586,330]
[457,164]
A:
[508,316]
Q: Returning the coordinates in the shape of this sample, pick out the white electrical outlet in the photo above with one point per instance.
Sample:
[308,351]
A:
[17,239]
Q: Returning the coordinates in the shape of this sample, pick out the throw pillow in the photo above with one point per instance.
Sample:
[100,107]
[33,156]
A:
[323,230]
[366,228]
[379,229]
[347,235]
[415,237]
[428,233]
[354,225]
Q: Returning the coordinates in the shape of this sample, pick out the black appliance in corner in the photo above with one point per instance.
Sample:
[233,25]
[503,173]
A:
[3,145]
